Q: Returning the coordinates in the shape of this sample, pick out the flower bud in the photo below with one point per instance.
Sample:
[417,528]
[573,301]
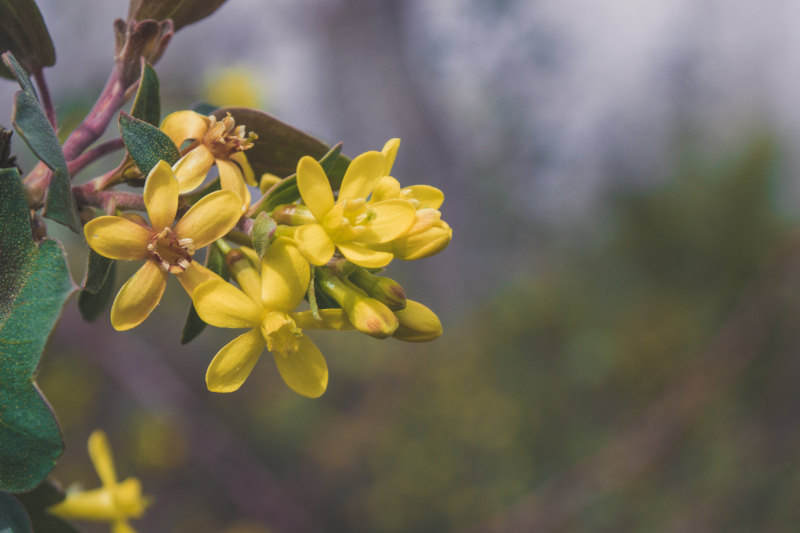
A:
[385,290]
[267,182]
[422,244]
[367,315]
[417,323]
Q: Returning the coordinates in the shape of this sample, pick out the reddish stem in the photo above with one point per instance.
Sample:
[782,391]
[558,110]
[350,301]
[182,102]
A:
[96,122]
[47,102]
[80,162]
[86,194]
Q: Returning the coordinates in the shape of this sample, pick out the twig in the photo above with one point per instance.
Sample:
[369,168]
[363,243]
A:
[734,346]
[47,102]
[86,194]
[89,156]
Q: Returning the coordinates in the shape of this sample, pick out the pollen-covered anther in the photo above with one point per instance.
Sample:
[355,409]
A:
[171,253]
[224,138]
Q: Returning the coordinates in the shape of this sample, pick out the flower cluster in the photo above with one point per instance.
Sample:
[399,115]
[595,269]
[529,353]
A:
[324,247]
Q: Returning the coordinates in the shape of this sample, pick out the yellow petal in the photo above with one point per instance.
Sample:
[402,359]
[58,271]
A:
[182,125]
[285,275]
[417,323]
[210,218]
[361,176]
[305,370]
[363,256]
[387,188]
[196,274]
[392,219]
[230,178]
[314,187]
[122,526]
[247,171]
[117,238]
[161,196]
[389,152]
[424,195]
[314,243]
[138,297]
[328,319]
[191,170]
[96,504]
[221,304]
[100,454]
[234,362]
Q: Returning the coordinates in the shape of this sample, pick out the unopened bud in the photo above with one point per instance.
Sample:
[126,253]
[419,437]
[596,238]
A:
[417,323]
[292,214]
[424,243]
[367,315]
[385,290]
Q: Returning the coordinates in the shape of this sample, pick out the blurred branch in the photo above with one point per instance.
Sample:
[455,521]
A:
[732,348]
[142,372]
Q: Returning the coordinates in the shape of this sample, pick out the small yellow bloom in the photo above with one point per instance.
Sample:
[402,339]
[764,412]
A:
[233,86]
[264,304]
[164,247]
[213,142]
[114,502]
[349,222]
[429,234]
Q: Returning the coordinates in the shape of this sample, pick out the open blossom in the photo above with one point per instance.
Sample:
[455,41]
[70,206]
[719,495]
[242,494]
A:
[114,502]
[165,248]
[429,234]
[214,142]
[349,222]
[264,304]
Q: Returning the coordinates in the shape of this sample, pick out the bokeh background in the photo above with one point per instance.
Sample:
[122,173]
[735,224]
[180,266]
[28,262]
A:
[619,300]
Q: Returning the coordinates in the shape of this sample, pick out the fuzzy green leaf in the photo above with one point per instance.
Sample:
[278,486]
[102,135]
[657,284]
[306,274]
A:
[91,304]
[13,518]
[280,146]
[194,326]
[24,33]
[31,123]
[182,12]
[34,284]
[147,105]
[146,143]
[17,72]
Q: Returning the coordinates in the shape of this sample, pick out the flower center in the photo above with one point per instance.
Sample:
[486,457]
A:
[171,253]
[224,138]
[348,219]
[281,333]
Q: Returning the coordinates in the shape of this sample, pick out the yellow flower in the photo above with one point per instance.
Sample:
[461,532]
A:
[113,502]
[349,223]
[213,142]
[429,234]
[264,304]
[417,323]
[164,248]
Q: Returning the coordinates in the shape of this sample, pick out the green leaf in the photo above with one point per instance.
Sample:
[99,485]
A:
[37,501]
[280,146]
[146,143]
[182,12]
[97,270]
[147,105]
[194,326]
[91,304]
[31,123]
[34,284]
[261,234]
[13,518]
[24,33]
[16,71]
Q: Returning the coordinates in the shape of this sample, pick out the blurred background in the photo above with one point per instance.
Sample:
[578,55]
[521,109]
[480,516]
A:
[619,300]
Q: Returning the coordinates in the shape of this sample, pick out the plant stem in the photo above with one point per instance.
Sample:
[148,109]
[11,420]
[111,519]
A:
[89,156]
[87,194]
[47,102]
